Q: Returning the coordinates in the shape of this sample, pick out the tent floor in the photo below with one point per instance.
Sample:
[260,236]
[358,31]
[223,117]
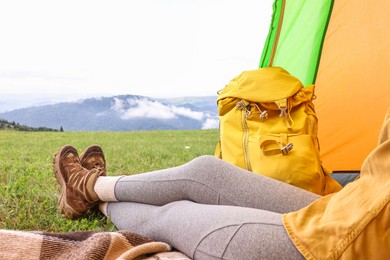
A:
[345,177]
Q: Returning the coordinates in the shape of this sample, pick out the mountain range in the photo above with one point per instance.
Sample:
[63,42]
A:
[121,113]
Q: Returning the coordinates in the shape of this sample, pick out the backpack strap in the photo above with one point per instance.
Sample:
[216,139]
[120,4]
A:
[284,149]
[218,150]
[285,107]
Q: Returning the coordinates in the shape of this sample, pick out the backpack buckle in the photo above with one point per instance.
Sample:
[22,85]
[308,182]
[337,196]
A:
[240,105]
[283,112]
[287,148]
[264,115]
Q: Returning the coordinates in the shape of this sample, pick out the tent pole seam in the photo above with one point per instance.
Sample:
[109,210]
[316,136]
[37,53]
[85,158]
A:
[279,29]
[322,41]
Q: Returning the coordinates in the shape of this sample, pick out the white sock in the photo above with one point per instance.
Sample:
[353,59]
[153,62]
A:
[103,208]
[105,188]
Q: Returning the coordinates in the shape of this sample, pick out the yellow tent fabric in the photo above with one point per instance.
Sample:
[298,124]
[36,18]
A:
[353,82]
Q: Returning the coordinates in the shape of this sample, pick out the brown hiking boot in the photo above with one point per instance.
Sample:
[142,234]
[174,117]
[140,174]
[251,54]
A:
[93,157]
[77,183]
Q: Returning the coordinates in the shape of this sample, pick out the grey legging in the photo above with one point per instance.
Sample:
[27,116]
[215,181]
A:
[210,209]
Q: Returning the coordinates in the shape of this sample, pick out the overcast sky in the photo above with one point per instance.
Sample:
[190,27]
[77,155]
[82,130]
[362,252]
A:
[156,48]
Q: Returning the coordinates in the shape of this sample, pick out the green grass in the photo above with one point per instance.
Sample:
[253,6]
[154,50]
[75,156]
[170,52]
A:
[28,188]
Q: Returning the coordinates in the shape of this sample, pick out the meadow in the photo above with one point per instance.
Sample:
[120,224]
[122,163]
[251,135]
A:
[28,188]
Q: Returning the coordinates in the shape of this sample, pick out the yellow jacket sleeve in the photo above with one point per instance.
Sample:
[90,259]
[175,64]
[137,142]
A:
[353,223]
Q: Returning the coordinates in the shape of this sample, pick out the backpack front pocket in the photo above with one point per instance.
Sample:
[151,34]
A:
[290,159]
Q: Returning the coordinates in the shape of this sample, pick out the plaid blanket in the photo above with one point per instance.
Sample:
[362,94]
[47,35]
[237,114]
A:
[82,245]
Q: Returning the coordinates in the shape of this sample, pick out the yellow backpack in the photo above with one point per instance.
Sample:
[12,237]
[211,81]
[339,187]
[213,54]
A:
[268,125]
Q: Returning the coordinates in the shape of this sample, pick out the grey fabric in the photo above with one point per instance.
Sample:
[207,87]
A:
[344,178]
[208,231]
[210,209]
[210,180]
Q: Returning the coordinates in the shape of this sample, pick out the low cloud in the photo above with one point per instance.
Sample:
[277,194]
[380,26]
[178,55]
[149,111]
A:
[210,123]
[133,108]
[183,111]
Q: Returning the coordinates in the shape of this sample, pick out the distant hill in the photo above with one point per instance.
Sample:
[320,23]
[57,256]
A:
[5,125]
[121,113]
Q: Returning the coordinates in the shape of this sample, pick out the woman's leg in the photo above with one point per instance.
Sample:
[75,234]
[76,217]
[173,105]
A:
[206,180]
[208,231]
